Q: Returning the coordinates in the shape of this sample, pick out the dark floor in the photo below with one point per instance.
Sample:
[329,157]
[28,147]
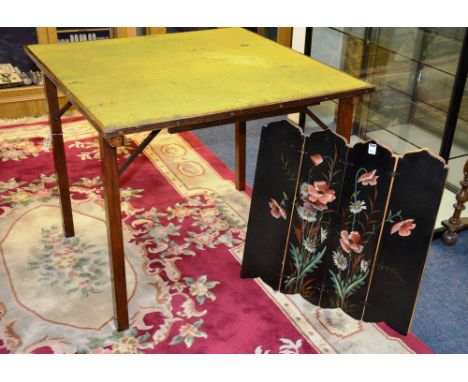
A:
[442,310]
[441,319]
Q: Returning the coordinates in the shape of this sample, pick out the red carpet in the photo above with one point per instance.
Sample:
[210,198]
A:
[184,227]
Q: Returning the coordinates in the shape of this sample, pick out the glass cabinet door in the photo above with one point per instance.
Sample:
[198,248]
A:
[413,70]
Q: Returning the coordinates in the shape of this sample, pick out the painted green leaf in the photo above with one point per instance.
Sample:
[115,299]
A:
[295,256]
[337,284]
[313,263]
[354,284]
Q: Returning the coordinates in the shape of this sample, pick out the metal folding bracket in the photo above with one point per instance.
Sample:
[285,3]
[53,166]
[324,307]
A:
[62,111]
[316,119]
[138,150]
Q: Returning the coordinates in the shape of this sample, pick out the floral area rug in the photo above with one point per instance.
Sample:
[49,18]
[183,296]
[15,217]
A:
[184,230]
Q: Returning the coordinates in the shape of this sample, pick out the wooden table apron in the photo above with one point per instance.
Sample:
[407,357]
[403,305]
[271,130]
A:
[110,139]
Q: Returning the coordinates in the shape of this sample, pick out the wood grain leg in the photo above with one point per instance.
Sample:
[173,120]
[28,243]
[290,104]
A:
[110,180]
[240,155]
[60,161]
[344,123]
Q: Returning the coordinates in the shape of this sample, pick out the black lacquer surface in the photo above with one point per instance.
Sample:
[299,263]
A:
[272,199]
[363,199]
[344,227]
[315,214]
[407,234]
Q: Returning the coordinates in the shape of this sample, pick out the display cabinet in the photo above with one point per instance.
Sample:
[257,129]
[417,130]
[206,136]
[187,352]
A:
[29,100]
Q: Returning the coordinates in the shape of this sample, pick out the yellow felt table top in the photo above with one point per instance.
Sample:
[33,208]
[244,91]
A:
[127,82]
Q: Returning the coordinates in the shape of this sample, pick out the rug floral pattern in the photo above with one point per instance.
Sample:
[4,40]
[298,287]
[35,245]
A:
[164,237]
[184,226]
[75,265]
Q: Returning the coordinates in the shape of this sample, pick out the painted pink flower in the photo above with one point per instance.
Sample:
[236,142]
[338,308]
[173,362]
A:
[316,159]
[276,210]
[368,179]
[319,194]
[403,228]
[351,241]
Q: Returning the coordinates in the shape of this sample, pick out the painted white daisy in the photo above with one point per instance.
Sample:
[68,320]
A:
[304,190]
[364,266]
[306,214]
[323,234]
[357,206]
[309,245]
[340,260]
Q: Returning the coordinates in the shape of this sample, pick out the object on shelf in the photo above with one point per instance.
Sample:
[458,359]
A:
[36,77]
[26,79]
[9,76]
[12,76]
[73,34]
[346,227]
[456,223]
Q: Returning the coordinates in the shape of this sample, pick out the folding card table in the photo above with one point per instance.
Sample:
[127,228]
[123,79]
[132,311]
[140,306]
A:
[180,81]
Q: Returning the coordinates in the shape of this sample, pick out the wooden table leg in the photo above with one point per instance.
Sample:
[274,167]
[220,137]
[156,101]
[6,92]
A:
[110,180]
[344,123]
[60,161]
[240,154]
[302,120]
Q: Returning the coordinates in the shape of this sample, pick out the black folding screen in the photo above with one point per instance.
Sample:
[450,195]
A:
[346,227]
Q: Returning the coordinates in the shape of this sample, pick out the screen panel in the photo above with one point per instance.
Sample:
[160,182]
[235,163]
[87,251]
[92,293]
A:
[344,227]
[369,170]
[315,214]
[275,183]
[407,234]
